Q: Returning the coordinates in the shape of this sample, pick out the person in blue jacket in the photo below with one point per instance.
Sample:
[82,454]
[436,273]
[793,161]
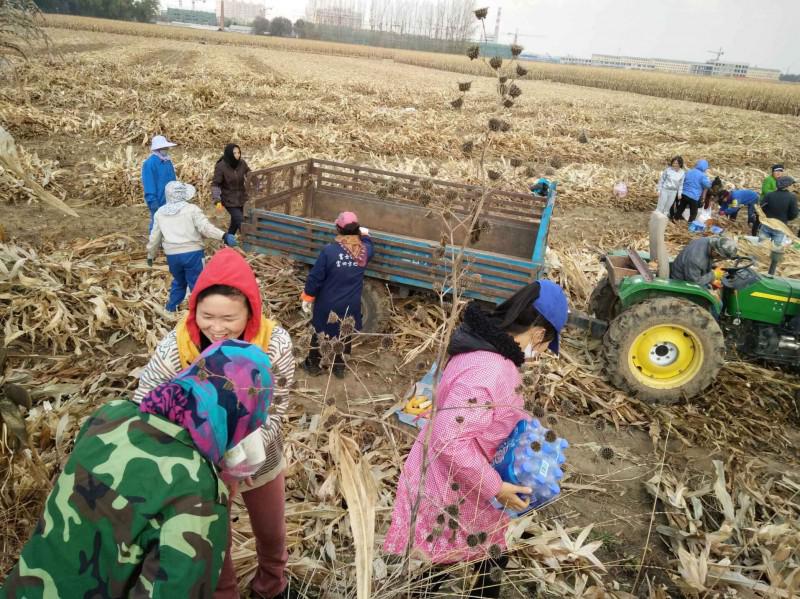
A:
[695,186]
[738,199]
[157,171]
[334,286]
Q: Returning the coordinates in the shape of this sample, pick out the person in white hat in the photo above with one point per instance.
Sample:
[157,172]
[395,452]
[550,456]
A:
[157,171]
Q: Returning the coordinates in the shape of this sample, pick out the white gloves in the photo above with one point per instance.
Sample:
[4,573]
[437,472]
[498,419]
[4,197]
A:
[364,231]
[306,307]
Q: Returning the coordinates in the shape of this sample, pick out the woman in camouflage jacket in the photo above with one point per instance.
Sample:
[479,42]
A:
[139,509]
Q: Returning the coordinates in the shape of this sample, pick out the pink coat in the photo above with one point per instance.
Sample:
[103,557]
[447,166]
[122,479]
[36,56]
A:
[477,408]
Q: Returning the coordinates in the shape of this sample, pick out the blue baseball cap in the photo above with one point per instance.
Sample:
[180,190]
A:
[552,305]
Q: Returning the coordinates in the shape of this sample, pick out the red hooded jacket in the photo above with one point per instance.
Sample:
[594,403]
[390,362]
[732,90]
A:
[227,267]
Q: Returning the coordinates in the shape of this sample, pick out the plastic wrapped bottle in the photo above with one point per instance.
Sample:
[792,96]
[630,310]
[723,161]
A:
[532,456]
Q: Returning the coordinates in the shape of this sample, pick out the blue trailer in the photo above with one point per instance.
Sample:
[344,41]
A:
[416,224]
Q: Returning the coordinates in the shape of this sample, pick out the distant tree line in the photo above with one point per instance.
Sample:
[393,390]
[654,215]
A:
[279,26]
[788,77]
[144,11]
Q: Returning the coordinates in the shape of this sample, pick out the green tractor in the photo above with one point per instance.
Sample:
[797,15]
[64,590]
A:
[666,340]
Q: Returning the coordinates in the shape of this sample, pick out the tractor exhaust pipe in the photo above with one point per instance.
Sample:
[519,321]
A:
[775,258]
[658,249]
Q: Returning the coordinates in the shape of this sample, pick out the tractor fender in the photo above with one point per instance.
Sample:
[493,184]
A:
[634,290]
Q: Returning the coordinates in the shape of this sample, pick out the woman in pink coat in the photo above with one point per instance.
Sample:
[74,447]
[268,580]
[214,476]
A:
[477,407]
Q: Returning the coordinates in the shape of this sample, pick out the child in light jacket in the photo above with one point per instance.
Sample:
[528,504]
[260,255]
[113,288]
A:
[670,186]
[181,227]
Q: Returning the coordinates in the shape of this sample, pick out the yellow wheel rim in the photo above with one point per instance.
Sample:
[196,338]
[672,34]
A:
[665,356]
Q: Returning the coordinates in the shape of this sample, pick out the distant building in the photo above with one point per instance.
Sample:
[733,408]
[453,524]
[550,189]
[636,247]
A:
[243,12]
[711,68]
[194,17]
[337,17]
[584,62]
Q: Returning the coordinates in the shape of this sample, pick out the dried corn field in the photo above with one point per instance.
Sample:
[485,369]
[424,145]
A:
[699,499]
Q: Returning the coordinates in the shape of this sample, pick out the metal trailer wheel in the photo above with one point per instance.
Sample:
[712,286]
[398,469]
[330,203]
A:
[375,307]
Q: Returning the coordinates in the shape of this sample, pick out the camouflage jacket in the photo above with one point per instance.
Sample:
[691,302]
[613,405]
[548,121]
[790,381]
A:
[137,512]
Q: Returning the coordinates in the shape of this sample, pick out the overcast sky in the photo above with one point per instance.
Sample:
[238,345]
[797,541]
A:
[764,33]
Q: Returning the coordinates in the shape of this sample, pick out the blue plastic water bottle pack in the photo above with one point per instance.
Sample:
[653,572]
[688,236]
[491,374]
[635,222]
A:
[532,456]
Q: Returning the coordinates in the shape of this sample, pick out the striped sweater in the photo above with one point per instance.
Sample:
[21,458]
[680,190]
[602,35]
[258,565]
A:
[166,363]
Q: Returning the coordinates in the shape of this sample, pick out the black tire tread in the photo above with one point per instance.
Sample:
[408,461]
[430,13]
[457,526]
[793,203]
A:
[625,327]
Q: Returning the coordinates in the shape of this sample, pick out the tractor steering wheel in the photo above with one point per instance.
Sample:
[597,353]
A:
[739,263]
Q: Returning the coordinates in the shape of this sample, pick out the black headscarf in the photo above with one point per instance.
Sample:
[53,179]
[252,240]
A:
[228,156]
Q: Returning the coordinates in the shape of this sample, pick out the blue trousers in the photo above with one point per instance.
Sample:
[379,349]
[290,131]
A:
[185,268]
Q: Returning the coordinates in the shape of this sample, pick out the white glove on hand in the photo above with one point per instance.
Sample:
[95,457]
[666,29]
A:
[306,307]
[364,231]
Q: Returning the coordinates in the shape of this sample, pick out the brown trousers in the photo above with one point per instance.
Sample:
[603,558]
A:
[265,506]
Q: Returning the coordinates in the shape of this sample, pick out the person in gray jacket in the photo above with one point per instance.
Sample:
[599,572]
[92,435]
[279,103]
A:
[695,263]
[181,227]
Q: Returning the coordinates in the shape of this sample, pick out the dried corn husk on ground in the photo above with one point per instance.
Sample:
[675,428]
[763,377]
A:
[17,180]
[742,533]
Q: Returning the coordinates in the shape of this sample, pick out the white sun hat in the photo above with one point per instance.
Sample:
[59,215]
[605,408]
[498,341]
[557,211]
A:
[160,142]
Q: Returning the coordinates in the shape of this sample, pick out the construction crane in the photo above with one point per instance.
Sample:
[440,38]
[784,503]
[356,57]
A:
[718,53]
[517,35]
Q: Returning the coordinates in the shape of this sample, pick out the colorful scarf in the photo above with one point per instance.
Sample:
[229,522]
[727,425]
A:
[352,245]
[220,399]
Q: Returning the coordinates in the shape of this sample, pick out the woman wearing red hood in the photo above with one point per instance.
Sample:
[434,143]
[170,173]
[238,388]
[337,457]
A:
[226,304]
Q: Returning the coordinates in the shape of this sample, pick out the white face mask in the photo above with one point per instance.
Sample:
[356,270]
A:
[529,352]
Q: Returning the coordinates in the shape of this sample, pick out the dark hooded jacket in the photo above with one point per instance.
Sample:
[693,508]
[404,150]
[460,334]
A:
[228,183]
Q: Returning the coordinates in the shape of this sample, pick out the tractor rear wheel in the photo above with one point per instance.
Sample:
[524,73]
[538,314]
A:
[603,302]
[664,349]
[375,307]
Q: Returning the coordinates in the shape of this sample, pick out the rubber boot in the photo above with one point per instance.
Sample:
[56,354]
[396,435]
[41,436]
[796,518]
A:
[775,258]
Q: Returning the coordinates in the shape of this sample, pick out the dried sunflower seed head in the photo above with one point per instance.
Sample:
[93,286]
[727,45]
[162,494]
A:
[440,519]
[333,317]
[568,407]
[550,436]
[455,487]
[583,138]
[346,329]
[472,540]
[606,453]
[516,49]
[473,52]
[433,170]
[338,347]
[387,342]
[451,510]
[503,79]
[495,124]
[505,126]
[552,420]
[599,424]
[452,524]
[514,91]
[451,195]
[530,171]
[496,62]
[426,183]
[481,13]
[508,103]
[536,446]
[464,86]
[516,162]
[482,536]
[457,103]
[467,147]
[495,552]
[521,71]
[496,574]
[538,411]
[493,175]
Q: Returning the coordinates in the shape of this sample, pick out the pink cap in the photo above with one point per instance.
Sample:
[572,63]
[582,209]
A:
[346,218]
